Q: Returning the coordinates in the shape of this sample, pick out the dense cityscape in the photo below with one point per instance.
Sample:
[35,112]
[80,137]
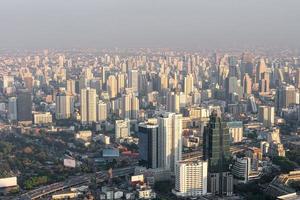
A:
[149,124]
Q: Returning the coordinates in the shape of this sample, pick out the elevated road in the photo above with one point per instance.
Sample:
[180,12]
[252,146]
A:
[73,181]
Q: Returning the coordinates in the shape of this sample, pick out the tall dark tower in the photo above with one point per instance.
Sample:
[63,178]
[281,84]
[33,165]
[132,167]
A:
[216,141]
[24,106]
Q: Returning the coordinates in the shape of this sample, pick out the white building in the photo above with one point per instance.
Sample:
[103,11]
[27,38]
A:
[42,118]
[169,140]
[190,178]
[241,169]
[122,129]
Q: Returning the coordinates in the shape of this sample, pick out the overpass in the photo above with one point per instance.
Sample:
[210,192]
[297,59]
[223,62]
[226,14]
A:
[71,182]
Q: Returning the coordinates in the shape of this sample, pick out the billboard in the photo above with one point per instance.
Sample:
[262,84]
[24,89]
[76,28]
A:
[8,182]
[69,163]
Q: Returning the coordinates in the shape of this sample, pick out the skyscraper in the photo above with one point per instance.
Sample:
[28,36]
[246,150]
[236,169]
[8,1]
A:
[112,86]
[188,84]
[71,87]
[216,141]
[247,85]
[24,106]
[12,108]
[285,96]
[63,106]
[88,105]
[133,80]
[148,141]
[101,111]
[173,102]
[266,115]
[297,78]
[170,140]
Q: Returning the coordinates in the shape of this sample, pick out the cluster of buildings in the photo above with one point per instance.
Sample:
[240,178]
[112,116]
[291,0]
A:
[207,121]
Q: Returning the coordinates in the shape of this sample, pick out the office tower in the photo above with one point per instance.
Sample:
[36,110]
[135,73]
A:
[112,86]
[297,78]
[247,85]
[170,140]
[235,131]
[64,105]
[241,169]
[266,115]
[88,105]
[163,82]
[216,141]
[71,88]
[148,144]
[121,82]
[130,106]
[188,84]
[173,102]
[105,73]
[101,111]
[143,83]
[190,178]
[24,106]
[122,129]
[233,87]
[285,96]
[133,80]
[261,68]
[264,83]
[12,108]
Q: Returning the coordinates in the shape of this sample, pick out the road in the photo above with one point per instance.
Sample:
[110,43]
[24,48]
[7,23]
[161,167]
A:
[71,182]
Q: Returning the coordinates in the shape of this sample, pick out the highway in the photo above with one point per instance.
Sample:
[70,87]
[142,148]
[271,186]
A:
[71,182]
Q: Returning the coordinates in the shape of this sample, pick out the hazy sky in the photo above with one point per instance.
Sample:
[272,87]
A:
[148,23]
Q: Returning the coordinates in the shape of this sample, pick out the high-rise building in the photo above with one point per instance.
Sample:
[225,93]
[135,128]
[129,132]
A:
[188,84]
[101,111]
[285,96]
[112,86]
[24,106]
[216,141]
[264,83]
[173,102]
[297,78]
[64,105]
[148,141]
[261,68]
[190,178]
[266,115]
[129,106]
[122,129]
[12,108]
[121,82]
[247,85]
[163,82]
[88,106]
[133,80]
[241,169]
[170,140]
